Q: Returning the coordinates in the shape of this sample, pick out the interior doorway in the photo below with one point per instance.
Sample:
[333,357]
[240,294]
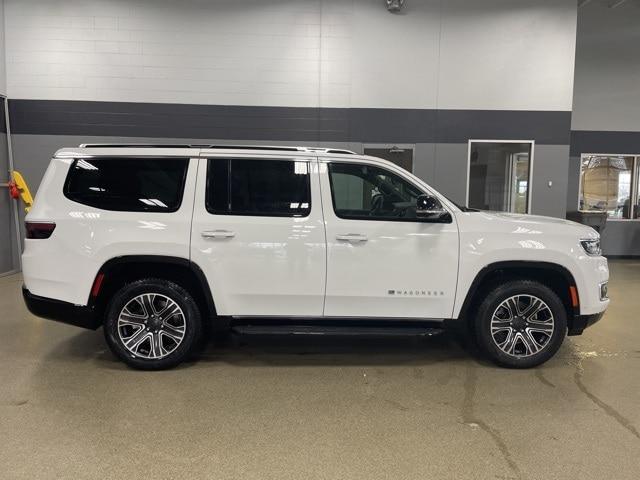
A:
[400,154]
[499,175]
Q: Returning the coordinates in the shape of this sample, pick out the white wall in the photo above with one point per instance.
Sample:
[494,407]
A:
[607,83]
[3,75]
[452,54]
[507,54]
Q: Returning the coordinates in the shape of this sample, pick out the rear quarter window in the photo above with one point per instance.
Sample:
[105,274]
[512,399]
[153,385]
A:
[128,184]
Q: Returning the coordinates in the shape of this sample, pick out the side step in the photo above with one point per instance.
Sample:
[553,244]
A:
[332,330]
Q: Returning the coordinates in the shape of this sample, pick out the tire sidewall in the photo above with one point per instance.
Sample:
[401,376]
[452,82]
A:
[174,292]
[491,303]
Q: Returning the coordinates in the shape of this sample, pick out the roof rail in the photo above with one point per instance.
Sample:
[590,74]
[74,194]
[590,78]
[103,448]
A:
[210,146]
[140,145]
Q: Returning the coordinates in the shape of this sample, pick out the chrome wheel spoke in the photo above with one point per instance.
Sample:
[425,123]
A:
[151,326]
[510,342]
[176,333]
[132,320]
[147,303]
[136,339]
[530,343]
[534,307]
[499,324]
[511,304]
[522,325]
[546,329]
[157,349]
[168,311]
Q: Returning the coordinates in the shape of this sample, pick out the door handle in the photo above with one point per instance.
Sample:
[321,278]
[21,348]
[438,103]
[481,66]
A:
[352,237]
[218,234]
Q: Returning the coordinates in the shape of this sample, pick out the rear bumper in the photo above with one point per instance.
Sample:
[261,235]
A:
[578,323]
[49,308]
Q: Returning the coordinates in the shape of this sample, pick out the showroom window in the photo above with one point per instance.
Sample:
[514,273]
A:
[276,188]
[609,183]
[127,184]
[500,175]
[364,192]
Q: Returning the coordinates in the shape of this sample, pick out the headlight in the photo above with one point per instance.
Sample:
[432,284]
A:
[591,246]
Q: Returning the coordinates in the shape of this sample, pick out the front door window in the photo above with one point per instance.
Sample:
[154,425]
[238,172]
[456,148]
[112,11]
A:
[366,192]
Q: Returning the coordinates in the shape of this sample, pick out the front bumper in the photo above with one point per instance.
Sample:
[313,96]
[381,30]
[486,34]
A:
[77,315]
[578,323]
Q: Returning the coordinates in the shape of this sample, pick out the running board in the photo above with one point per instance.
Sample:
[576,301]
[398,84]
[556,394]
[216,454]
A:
[336,330]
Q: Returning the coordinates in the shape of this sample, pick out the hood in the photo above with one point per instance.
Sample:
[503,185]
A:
[536,222]
[532,219]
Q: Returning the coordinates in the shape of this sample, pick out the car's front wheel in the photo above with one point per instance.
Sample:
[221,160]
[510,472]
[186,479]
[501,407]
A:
[521,324]
[152,324]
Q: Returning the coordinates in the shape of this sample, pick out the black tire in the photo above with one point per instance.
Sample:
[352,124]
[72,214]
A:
[187,317]
[522,356]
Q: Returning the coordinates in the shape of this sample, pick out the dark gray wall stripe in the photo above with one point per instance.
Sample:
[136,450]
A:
[589,141]
[3,125]
[53,117]
[548,128]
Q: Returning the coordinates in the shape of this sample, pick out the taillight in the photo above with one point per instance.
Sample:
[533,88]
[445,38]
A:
[39,229]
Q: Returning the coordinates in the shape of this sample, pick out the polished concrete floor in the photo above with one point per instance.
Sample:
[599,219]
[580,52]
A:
[320,408]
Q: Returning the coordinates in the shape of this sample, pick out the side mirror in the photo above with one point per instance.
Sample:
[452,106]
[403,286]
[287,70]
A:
[430,209]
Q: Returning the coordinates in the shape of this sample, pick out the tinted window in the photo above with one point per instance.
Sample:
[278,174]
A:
[258,187]
[128,184]
[371,193]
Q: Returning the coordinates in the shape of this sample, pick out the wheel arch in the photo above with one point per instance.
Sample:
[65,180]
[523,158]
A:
[118,271]
[555,276]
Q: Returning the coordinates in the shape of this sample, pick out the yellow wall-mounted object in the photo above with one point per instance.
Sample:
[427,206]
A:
[25,194]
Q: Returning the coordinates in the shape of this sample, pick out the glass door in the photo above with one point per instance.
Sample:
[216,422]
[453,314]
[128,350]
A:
[499,176]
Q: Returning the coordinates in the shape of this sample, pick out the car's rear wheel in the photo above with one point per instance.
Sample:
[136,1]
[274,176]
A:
[152,324]
[521,324]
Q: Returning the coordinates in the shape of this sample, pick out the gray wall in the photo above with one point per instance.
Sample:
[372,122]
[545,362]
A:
[8,244]
[606,104]
[550,165]
[606,93]
[7,235]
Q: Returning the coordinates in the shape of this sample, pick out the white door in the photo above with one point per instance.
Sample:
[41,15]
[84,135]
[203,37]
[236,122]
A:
[382,261]
[258,235]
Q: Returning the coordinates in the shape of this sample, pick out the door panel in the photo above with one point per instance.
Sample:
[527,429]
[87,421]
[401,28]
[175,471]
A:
[396,268]
[257,263]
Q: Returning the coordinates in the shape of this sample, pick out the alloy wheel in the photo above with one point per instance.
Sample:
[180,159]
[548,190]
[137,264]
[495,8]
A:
[522,325]
[151,326]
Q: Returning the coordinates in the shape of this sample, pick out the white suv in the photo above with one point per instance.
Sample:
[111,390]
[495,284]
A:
[157,242]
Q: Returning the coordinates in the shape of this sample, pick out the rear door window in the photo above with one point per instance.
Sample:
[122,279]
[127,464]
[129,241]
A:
[276,188]
[128,184]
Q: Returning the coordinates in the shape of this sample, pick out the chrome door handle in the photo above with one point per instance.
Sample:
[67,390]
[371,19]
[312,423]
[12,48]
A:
[218,234]
[352,237]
